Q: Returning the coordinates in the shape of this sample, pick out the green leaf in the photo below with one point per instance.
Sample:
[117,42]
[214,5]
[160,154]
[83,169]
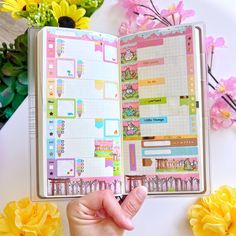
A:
[8,112]
[21,43]
[6,96]
[2,87]
[23,78]
[9,81]
[90,9]
[21,88]
[17,58]
[10,70]
[53,22]
[18,99]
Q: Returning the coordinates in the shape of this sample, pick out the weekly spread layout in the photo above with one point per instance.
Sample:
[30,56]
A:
[115,113]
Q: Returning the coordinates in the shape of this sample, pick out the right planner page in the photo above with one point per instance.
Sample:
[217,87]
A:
[162,110]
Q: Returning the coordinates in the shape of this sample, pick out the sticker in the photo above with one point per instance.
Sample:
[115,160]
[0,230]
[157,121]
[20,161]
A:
[66,108]
[60,128]
[170,151]
[111,90]
[60,147]
[79,166]
[99,123]
[147,162]
[129,73]
[52,168]
[51,108]
[66,68]
[99,84]
[176,165]
[60,47]
[80,68]
[116,168]
[132,157]
[65,167]
[51,129]
[60,86]
[51,148]
[151,82]
[98,47]
[130,91]
[110,54]
[128,55]
[151,62]
[150,101]
[131,129]
[164,182]
[111,128]
[79,106]
[154,120]
[50,88]
[130,110]
[104,148]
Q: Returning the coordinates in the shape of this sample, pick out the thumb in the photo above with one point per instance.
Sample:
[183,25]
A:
[134,201]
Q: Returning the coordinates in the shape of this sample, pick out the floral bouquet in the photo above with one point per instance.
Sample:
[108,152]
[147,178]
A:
[13,57]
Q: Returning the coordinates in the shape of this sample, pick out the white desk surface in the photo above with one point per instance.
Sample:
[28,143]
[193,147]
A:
[159,216]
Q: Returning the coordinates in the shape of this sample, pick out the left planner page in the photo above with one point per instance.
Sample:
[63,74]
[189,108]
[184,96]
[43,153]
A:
[78,113]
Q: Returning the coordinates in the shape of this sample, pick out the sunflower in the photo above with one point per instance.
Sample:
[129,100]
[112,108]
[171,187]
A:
[17,7]
[69,16]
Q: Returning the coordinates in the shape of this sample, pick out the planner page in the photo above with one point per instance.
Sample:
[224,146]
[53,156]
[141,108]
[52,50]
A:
[162,122]
[79,138]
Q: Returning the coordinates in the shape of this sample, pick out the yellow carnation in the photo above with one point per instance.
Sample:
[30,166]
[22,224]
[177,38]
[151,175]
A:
[33,219]
[215,215]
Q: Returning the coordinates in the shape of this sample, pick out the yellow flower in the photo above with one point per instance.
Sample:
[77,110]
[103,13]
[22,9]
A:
[69,16]
[215,215]
[17,6]
[27,218]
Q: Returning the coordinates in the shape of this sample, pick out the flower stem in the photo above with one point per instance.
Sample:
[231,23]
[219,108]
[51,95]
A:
[173,18]
[157,13]
[212,54]
[159,17]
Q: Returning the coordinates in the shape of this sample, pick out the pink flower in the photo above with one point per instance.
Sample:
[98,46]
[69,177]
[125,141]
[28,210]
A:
[125,28]
[225,87]
[133,6]
[178,11]
[212,43]
[221,115]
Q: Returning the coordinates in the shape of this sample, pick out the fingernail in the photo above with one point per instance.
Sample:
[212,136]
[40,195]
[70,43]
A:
[141,193]
[129,222]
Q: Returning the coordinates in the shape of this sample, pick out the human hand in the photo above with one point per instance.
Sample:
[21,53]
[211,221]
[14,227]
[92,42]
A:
[100,214]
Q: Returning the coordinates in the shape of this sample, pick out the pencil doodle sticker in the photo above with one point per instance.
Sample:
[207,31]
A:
[130,91]
[131,129]
[130,110]
[60,127]
[60,85]
[80,68]
[79,105]
[60,47]
[60,147]
[129,73]
[80,166]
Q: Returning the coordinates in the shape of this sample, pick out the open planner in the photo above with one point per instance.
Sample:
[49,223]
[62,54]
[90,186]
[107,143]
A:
[115,113]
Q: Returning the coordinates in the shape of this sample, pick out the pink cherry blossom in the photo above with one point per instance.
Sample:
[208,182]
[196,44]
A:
[125,28]
[134,6]
[212,43]
[221,115]
[177,12]
[225,87]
